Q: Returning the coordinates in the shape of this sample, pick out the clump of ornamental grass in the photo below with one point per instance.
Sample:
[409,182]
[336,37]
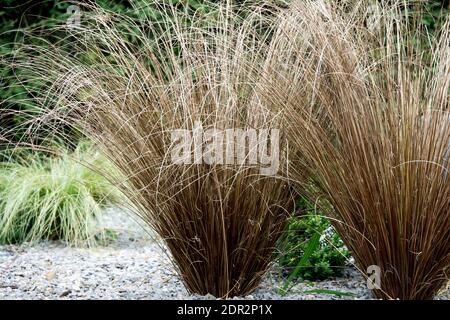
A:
[52,198]
[179,114]
[366,99]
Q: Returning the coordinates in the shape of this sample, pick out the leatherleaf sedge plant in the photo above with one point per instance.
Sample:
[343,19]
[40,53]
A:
[182,79]
[366,98]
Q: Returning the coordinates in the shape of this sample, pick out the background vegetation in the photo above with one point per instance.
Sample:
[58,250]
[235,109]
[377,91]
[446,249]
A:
[43,15]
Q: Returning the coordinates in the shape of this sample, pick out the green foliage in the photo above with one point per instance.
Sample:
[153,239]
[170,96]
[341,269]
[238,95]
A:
[52,198]
[16,86]
[329,255]
[332,292]
[15,17]
[434,11]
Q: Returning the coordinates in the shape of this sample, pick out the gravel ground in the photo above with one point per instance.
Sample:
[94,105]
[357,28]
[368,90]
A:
[131,266]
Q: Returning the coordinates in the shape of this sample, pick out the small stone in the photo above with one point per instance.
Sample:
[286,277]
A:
[5,254]
[50,276]
[65,293]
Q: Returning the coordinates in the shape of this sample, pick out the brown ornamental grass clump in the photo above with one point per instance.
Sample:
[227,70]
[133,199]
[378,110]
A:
[366,100]
[194,79]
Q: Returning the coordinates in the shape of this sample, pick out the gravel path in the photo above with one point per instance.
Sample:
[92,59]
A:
[132,266]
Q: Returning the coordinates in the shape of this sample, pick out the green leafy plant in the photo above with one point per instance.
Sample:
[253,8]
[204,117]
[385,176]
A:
[332,292]
[311,249]
[52,198]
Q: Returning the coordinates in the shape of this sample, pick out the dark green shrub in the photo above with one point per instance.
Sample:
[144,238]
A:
[328,259]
